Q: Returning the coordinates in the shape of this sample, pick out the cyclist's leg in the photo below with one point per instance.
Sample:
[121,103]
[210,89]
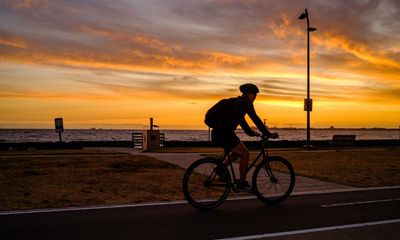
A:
[232,158]
[244,154]
[228,140]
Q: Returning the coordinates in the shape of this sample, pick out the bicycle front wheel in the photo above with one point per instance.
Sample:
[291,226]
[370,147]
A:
[206,183]
[274,180]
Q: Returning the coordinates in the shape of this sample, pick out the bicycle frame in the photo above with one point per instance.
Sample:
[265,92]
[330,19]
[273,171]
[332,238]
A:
[272,182]
[263,153]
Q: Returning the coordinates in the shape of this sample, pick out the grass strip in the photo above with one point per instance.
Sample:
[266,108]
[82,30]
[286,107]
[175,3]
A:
[80,178]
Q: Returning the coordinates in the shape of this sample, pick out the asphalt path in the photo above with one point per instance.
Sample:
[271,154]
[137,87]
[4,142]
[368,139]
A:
[372,214]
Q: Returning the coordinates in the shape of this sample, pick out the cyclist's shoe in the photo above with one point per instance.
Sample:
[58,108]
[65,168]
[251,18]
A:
[220,173]
[242,186]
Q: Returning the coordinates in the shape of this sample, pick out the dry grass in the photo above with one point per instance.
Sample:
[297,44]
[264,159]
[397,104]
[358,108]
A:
[353,167]
[356,167]
[64,178]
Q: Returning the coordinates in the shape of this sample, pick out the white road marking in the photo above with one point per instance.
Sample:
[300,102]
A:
[313,230]
[344,190]
[359,203]
[18,212]
[69,209]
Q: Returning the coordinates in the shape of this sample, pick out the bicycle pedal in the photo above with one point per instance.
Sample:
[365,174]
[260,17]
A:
[241,190]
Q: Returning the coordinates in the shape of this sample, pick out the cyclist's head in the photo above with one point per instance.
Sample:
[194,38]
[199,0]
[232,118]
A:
[249,88]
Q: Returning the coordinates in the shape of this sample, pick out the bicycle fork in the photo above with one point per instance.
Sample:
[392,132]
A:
[269,172]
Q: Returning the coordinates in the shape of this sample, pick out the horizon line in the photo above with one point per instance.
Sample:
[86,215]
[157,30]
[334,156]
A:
[206,129]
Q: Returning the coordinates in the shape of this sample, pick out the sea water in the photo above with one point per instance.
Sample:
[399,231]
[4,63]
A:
[49,135]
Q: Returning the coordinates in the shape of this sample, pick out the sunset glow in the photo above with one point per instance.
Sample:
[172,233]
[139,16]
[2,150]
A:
[114,64]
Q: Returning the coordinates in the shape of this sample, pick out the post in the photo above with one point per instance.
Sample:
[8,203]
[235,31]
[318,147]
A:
[308,100]
[59,127]
[308,80]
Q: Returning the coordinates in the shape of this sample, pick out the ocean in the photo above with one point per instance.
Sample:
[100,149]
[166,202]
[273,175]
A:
[49,135]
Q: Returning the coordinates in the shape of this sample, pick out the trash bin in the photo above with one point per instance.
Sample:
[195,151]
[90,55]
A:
[151,137]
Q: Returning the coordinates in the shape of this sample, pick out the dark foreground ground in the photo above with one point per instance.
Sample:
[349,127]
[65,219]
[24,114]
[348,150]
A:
[69,178]
[234,218]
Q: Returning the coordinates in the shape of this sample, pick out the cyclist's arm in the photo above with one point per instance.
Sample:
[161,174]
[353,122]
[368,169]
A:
[246,128]
[257,121]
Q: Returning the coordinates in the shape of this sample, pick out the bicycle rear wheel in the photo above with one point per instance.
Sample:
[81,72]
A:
[274,180]
[206,183]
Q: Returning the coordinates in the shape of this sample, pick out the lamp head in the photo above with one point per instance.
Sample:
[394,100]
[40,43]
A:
[302,16]
[311,29]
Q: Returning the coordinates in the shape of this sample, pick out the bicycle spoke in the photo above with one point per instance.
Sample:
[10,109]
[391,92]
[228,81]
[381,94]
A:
[274,180]
[203,187]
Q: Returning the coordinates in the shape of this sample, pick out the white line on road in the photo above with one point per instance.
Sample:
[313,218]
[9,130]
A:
[345,190]
[18,212]
[69,209]
[359,203]
[312,230]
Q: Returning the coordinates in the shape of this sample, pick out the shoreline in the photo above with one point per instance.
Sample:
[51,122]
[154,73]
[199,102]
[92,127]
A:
[206,129]
[4,146]
[48,135]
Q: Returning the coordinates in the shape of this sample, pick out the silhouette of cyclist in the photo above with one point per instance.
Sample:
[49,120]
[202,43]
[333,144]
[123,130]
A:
[225,116]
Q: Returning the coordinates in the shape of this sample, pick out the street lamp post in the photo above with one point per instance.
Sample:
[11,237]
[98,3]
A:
[308,100]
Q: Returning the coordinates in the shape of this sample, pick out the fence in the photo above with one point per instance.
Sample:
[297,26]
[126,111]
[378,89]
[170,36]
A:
[137,140]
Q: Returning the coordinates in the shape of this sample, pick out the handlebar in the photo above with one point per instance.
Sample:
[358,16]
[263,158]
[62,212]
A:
[266,138]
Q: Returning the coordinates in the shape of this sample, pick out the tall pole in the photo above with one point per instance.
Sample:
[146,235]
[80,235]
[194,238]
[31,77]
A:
[308,81]
[308,100]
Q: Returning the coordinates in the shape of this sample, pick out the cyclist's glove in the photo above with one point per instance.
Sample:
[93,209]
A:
[266,135]
[255,134]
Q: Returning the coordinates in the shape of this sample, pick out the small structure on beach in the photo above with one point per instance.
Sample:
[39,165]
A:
[149,139]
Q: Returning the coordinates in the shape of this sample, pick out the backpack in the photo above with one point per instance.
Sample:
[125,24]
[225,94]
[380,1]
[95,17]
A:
[215,114]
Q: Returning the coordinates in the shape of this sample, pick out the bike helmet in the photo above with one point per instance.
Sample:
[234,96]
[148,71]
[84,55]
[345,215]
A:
[249,88]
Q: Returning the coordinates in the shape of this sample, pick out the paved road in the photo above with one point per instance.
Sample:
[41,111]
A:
[234,218]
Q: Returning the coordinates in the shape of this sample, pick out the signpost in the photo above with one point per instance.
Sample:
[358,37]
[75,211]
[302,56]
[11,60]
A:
[308,100]
[308,105]
[59,125]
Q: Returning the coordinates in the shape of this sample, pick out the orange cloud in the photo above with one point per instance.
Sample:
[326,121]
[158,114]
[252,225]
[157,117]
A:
[282,26]
[137,53]
[12,42]
[130,38]
[21,94]
[26,4]
[362,51]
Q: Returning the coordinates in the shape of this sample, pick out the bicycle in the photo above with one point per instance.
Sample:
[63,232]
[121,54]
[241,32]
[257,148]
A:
[207,182]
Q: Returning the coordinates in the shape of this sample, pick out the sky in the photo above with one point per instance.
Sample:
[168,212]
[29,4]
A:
[116,63]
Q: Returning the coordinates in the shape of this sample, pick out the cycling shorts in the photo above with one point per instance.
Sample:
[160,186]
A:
[224,138]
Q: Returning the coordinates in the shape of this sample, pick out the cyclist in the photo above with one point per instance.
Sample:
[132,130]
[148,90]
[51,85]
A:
[225,116]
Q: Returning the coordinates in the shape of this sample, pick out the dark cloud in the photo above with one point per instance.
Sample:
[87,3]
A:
[147,32]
